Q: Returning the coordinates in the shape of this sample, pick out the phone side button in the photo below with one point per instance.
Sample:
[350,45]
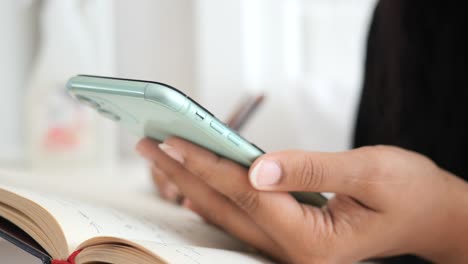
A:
[234,139]
[217,127]
[200,116]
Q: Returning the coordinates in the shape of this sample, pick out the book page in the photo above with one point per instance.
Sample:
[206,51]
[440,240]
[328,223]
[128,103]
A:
[143,218]
[197,255]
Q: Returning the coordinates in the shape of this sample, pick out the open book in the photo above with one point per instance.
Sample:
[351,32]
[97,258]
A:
[60,231]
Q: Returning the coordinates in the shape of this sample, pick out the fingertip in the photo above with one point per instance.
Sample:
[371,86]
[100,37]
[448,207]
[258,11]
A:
[265,175]
[140,145]
[187,203]
[171,192]
[143,144]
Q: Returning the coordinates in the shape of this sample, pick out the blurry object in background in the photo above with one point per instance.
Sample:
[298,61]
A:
[63,134]
[244,111]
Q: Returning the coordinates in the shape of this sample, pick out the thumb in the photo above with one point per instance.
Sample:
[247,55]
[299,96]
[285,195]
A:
[341,172]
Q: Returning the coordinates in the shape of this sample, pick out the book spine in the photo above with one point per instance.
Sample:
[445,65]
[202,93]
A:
[70,260]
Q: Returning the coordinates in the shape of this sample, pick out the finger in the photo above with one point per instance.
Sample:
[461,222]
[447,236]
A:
[267,209]
[347,173]
[167,189]
[187,203]
[143,145]
[212,205]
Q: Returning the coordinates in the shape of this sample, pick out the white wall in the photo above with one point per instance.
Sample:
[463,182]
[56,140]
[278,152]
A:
[18,31]
[219,64]
[154,41]
[305,54]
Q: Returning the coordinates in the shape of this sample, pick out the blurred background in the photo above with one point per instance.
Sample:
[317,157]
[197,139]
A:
[305,55]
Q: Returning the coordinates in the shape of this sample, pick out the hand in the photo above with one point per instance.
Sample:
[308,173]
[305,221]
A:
[389,201]
[166,187]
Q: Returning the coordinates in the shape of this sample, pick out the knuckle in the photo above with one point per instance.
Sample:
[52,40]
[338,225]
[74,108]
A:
[376,151]
[247,200]
[375,178]
[310,174]
[377,159]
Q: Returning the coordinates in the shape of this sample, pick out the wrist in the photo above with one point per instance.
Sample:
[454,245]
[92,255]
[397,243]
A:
[448,239]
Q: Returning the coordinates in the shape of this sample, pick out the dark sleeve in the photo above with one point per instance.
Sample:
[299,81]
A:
[414,93]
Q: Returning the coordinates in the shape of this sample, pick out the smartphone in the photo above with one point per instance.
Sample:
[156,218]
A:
[157,110]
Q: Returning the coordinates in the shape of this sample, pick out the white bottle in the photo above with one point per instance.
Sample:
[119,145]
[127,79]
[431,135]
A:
[62,133]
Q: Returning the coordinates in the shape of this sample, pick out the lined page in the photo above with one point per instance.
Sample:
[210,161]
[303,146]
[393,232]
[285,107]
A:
[138,219]
[196,255]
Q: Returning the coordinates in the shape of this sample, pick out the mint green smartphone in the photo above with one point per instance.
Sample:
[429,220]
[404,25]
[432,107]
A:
[157,110]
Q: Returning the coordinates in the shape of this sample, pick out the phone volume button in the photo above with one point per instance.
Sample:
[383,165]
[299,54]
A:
[234,139]
[217,127]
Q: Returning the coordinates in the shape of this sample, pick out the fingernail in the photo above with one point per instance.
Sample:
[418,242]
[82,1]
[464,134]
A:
[171,152]
[265,173]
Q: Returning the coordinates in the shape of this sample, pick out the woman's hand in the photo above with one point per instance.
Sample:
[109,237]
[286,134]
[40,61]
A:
[166,187]
[389,201]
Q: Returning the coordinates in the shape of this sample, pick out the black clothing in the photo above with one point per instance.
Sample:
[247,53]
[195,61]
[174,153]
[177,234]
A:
[415,94]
